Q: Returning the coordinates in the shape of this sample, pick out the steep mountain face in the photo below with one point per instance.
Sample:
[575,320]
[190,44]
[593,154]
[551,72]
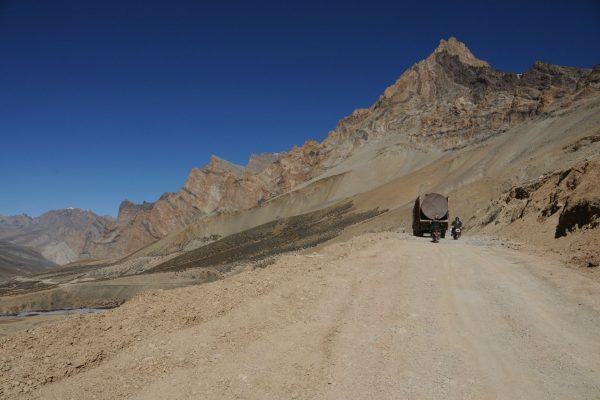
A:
[449,99]
[60,236]
[452,98]
[218,187]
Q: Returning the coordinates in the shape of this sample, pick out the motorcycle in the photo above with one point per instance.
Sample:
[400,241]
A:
[435,234]
[455,233]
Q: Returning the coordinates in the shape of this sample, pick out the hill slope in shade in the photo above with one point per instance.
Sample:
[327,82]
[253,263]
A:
[19,260]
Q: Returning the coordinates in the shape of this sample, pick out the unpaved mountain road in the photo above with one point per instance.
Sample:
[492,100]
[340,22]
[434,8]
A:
[378,317]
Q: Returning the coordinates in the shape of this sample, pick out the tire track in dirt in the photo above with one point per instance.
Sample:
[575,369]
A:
[380,316]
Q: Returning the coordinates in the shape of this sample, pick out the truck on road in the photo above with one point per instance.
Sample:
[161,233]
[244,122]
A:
[427,208]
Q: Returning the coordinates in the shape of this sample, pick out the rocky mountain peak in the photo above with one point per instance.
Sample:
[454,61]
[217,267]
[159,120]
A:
[219,165]
[459,49]
[259,162]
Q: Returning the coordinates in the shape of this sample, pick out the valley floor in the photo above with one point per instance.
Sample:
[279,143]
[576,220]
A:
[381,316]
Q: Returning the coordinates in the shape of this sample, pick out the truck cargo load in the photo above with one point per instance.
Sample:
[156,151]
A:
[428,207]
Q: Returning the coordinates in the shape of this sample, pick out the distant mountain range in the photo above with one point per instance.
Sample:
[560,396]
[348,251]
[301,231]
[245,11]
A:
[60,236]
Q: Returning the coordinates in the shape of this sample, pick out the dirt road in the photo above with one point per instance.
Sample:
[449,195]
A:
[378,317]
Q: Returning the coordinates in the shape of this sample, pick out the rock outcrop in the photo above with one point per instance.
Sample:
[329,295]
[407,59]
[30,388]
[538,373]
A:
[218,187]
[451,98]
[560,210]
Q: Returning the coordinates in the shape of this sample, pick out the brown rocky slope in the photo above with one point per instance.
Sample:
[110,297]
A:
[559,211]
[450,99]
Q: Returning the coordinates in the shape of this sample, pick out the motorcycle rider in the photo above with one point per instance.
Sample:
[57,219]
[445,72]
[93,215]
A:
[436,225]
[457,223]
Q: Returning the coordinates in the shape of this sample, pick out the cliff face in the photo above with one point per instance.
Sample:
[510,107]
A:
[560,208]
[449,99]
[218,187]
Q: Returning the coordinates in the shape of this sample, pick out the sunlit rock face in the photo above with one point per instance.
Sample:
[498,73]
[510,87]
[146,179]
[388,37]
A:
[452,98]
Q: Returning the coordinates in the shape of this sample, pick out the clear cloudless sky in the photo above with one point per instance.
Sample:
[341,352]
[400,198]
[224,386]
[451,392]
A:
[113,99]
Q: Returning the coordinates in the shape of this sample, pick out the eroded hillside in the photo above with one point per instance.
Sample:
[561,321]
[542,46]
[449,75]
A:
[451,99]
[560,211]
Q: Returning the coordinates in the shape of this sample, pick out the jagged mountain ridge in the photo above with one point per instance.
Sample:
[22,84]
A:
[452,98]
[449,99]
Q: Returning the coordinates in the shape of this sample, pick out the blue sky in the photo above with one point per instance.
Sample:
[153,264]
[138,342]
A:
[106,100]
